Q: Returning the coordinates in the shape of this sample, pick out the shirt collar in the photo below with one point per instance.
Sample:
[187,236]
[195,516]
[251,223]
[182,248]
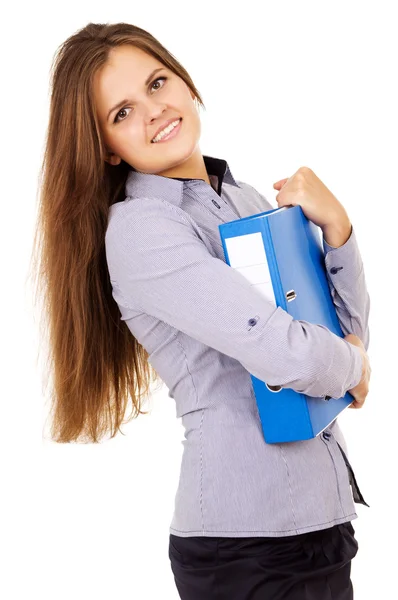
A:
[149,184]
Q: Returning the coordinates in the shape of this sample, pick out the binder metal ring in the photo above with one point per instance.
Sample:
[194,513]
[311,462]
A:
[274,388]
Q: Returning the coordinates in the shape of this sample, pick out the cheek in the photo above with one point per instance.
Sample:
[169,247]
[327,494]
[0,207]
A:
[194,124]
[131,132]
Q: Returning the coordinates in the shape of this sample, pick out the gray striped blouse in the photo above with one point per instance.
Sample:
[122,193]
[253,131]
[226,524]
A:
[190,310]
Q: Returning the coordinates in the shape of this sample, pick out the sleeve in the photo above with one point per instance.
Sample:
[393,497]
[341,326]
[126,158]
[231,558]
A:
[159,263]
[347,284]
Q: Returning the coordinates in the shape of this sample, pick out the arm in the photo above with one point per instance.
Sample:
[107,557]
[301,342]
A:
[158,262]
[346,279]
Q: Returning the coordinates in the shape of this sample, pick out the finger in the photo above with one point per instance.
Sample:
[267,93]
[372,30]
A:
[280,183]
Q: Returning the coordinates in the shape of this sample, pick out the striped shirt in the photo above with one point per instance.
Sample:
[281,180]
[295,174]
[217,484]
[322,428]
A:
[190,310]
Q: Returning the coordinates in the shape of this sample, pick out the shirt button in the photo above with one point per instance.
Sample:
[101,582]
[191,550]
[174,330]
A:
[253,321]
[334,270]
[326,435]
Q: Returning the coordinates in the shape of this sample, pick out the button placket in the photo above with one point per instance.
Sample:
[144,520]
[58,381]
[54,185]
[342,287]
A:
[326,435]
[214,212]
[215,203]
[356,492]
[223,213]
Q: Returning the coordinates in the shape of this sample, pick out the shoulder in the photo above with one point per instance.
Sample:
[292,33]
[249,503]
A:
[139,225]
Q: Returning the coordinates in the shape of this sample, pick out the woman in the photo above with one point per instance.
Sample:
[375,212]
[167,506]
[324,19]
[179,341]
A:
[134,272]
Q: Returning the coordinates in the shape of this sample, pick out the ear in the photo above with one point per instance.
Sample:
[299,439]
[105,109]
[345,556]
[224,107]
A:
[113,159]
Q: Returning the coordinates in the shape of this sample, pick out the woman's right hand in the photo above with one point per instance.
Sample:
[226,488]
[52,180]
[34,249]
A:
[360,391]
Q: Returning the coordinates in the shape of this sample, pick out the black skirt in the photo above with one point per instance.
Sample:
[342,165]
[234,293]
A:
[309,566]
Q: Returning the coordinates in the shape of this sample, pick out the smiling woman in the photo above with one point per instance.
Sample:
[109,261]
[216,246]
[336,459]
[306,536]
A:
[137,290]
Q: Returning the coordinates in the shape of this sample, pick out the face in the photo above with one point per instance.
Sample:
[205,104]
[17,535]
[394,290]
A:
[129,129]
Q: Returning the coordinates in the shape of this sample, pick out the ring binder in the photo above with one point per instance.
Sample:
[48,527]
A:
[280,253]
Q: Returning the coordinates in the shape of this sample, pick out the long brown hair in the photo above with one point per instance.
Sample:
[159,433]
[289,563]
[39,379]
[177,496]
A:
[94,364]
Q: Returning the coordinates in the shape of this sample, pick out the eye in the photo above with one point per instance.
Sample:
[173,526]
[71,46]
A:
[116,120]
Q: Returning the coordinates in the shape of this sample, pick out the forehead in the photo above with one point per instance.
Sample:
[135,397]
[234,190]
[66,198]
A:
[130,56]
[127,61]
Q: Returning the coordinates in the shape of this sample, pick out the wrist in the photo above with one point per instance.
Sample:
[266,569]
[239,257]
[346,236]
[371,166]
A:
[337,234]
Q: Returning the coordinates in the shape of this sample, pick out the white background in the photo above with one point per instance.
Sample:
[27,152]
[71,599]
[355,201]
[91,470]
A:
[285,84]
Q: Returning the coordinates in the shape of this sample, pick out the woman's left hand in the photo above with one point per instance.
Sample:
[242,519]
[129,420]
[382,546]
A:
[316,200]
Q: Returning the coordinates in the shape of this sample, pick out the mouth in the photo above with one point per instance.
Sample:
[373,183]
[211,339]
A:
[169,135]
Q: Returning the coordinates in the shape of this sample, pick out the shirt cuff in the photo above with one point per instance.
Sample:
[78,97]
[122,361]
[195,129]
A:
[343,264]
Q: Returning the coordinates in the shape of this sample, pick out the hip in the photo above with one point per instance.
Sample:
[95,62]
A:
[310,565]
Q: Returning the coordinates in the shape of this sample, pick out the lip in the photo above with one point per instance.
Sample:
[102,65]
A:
[165,124]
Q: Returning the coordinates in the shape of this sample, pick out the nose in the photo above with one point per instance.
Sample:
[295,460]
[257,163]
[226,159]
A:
[153,111]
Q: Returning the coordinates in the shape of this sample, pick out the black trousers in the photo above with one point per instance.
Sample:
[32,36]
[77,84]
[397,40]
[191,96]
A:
[309,566]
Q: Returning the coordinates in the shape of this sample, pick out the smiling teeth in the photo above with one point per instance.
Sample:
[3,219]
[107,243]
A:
[166,131]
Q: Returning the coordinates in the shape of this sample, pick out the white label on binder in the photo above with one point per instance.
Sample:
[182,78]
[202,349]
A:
[246,254]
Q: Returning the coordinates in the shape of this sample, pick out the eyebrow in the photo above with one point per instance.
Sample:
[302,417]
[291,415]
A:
[119,104]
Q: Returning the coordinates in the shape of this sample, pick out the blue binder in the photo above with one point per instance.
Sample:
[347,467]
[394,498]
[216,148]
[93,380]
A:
[280,252]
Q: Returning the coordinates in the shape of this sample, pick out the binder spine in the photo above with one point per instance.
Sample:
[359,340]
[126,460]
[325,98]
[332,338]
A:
[280,298]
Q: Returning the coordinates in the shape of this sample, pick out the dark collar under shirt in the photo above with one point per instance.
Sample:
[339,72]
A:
[215,167]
